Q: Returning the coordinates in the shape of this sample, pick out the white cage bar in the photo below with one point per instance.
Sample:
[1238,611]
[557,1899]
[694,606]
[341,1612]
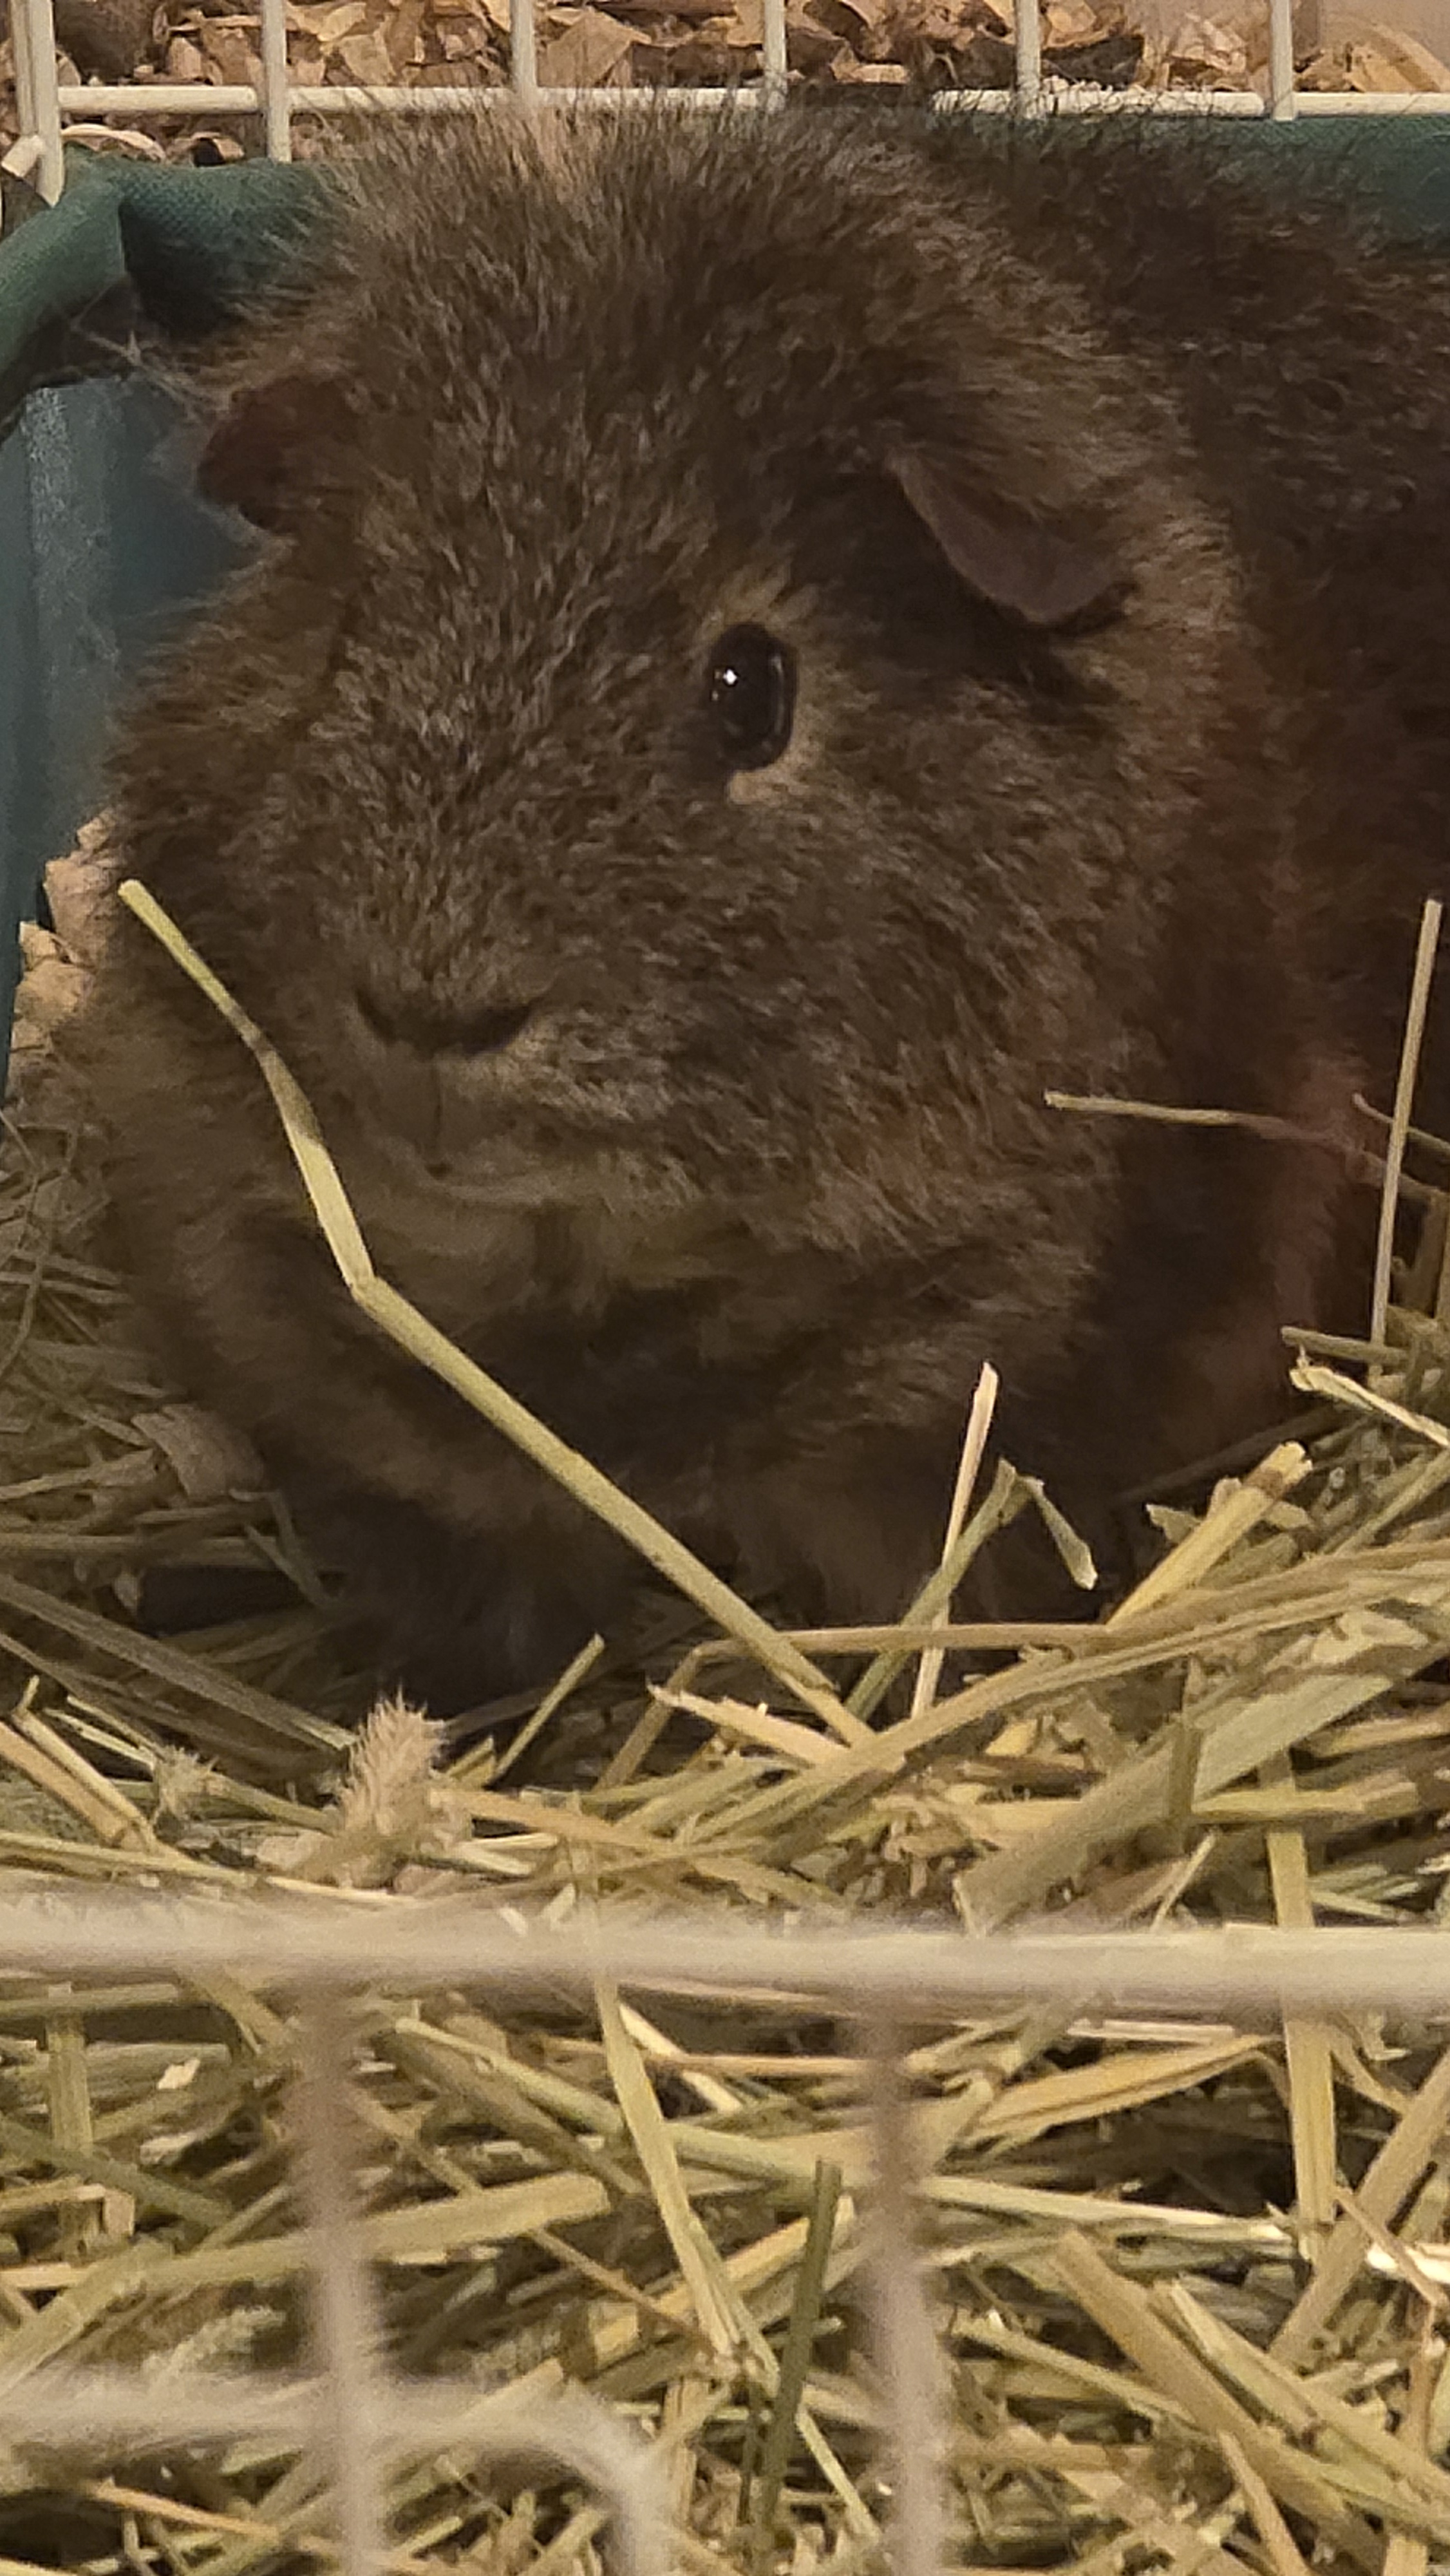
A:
[44,102]
[351,2419]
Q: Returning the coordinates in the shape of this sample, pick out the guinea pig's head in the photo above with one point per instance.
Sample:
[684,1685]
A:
[732,656]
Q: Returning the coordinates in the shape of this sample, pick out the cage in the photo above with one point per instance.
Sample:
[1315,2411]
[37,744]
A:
[104,548]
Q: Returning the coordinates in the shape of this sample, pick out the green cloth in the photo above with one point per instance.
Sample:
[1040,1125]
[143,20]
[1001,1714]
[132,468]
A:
[187,248]
[1398,166]
[103,545]
[104,548]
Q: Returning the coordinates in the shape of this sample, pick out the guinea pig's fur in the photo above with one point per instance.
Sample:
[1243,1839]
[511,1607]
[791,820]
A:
[1102,506]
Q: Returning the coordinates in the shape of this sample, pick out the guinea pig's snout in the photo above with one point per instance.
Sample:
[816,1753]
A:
[427,1069]
[430,1029]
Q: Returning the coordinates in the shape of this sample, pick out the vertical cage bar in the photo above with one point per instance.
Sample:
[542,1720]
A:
[1281,60]
[276,97]
[345,2328]
[38,89]
[773,63]
[907,2351]
[523,52]
[1029,56]
[24,83]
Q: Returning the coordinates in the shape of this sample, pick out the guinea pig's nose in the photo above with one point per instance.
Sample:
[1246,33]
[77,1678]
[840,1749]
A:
[432,1029]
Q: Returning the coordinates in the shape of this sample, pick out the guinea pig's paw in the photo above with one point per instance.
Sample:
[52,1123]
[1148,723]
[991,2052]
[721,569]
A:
[57,965]
[51,987]
[80,891]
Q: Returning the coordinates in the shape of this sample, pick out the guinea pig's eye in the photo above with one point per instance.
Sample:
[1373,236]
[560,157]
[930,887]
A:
[750,692]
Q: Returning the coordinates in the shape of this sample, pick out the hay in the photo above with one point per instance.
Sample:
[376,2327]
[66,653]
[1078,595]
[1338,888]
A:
[1186,2278]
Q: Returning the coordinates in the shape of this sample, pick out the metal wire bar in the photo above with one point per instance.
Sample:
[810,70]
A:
[523,52]
[1246,1970]
[1282,100]
[32,26]
[276,88]
[1029,57]
[197,98]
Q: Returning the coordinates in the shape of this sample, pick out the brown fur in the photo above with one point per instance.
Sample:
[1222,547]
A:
[768,1173]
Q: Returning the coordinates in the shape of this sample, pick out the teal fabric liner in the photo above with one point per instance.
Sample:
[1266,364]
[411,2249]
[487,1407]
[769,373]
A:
[104,548]
[193,244]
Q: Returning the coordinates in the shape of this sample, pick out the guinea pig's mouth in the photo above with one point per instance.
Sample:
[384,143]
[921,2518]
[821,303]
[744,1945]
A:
[478,1131]
[434,1194]
[572,1232]
[526,1164]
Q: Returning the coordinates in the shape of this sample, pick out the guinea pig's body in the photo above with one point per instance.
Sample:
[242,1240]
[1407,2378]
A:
[784,640]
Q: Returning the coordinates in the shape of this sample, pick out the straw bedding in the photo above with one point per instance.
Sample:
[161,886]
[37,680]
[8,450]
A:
[1188,2278]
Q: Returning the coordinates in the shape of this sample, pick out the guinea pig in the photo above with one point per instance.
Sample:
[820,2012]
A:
[779,641]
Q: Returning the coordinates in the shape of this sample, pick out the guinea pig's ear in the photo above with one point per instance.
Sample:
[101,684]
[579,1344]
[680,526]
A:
[1030,571]
[278,448]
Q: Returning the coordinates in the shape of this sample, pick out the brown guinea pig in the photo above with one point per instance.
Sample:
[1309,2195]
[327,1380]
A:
[781,640]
